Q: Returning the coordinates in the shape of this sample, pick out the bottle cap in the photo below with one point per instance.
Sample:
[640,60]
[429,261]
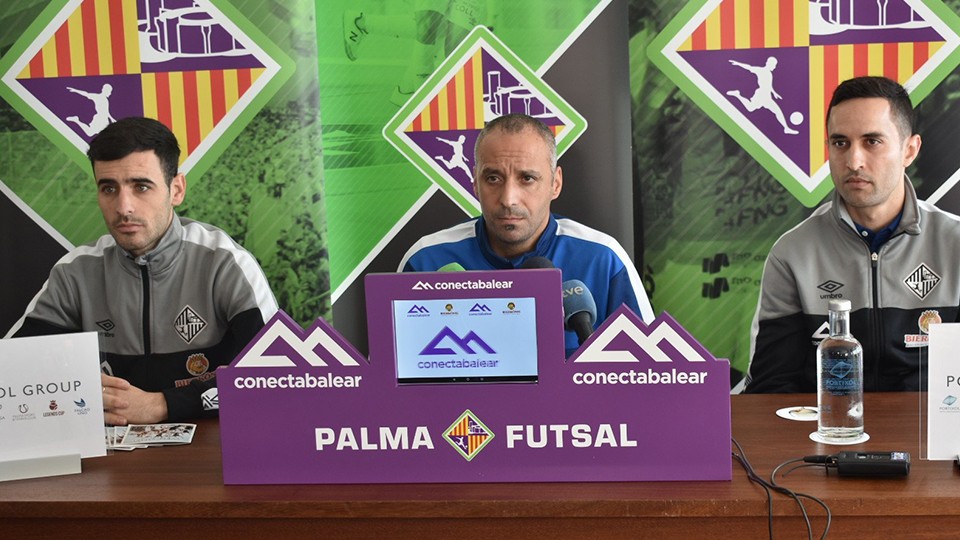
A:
[840,305]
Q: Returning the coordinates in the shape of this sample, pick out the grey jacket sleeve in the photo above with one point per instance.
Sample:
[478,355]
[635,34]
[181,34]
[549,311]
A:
[779,344]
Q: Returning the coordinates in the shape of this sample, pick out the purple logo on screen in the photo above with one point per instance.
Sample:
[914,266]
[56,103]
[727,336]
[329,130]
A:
[463,343]
[418,310]
[480,308]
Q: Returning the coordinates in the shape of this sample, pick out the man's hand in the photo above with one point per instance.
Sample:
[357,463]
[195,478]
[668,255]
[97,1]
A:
[125,404]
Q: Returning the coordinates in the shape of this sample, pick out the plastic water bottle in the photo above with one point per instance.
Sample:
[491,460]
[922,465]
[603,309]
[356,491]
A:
[840,378]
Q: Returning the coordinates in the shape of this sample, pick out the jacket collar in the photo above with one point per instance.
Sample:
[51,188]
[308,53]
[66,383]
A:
[541,249]
[910,217]
[161,257]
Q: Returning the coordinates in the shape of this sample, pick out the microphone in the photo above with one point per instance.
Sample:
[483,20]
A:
[452,267]
[579,309]
[537,262]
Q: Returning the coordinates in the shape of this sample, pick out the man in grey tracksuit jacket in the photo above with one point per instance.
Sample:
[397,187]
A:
[171,298]
[895,293]
[894,257]
[166,320]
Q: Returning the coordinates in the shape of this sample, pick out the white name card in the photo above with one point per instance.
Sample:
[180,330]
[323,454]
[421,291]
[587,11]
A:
[50,397]
[943,392]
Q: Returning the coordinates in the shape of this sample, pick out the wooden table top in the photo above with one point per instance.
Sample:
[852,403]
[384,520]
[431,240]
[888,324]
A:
[185,484]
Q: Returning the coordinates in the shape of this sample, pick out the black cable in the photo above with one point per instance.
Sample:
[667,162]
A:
[786,473]
[794,495]
[797,495]
[754,477]
[774,486]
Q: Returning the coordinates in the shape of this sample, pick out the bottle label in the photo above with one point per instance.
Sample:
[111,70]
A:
[839,382]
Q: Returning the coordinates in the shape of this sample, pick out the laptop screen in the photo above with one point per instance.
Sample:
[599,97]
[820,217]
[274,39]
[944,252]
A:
[465,327]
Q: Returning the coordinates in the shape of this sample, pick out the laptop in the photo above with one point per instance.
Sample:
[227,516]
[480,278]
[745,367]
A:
[476,327]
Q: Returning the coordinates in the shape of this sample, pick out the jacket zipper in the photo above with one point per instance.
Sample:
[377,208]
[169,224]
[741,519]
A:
[877,340]
[145,280]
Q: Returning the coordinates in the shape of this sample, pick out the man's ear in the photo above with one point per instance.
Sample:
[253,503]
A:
[557,183]
[912,150]
[178,189]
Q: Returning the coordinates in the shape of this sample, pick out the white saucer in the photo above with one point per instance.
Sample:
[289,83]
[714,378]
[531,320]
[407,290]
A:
[802,413]
[815,437]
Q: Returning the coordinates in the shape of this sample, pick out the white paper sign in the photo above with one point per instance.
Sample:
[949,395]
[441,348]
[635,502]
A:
[50,397]
[943,392]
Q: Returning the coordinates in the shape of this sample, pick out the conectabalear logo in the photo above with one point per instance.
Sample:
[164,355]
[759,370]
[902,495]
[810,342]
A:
[283,343]
[418,311]
[480,309]
[765,71]
[625,338]
[463,344]
[671,354]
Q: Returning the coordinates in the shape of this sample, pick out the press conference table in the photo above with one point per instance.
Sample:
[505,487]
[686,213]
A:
[178,492]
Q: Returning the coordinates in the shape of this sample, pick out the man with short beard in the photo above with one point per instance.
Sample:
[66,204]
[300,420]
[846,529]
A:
[516,176]
[171,298]
[893,256]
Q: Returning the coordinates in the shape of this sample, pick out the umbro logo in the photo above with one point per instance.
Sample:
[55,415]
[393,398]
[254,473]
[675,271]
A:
[106,325]
[829,286]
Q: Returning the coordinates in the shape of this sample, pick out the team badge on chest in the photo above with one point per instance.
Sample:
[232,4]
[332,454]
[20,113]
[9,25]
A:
[189,324]
[921,281]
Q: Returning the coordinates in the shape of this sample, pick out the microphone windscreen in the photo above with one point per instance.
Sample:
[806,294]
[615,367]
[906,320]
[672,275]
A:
[577,298]
[452,267]
[537,262]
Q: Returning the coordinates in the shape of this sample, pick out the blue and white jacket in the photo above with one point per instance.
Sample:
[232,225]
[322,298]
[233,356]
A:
[593,257]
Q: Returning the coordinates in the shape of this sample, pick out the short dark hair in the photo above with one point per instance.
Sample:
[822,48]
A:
[879,87]
[515,123]
[137,134]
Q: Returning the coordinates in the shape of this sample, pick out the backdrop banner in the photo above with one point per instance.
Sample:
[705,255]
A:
[235,80]
[729,103]
[725,148]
